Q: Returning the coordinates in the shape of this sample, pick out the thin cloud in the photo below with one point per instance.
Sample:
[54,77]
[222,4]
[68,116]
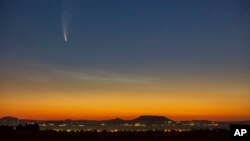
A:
[46,73]
[103,77]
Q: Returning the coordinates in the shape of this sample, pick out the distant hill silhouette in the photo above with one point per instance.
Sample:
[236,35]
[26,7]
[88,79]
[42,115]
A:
[145,119]
[149,119]
[114,121]
[8,120]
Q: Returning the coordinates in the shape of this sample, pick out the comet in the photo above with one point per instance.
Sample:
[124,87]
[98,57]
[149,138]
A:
[64,22]
[65,33]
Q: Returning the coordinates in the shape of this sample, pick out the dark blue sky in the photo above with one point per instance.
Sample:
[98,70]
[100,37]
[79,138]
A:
[185,59]
[127,36]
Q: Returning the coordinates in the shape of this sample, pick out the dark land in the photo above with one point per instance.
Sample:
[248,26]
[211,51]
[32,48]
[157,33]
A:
[142,123]
[143,128]
[32,133]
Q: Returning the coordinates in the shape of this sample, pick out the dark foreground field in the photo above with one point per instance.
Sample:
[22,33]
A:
[38,135]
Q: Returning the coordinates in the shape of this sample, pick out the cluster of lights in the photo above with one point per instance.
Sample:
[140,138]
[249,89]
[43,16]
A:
[139,125]
[116,130]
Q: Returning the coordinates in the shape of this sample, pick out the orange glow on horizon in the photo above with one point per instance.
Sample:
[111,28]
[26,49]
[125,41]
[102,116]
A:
[180,100]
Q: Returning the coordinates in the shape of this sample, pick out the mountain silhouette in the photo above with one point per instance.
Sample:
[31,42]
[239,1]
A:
[145,119]
[8,120]
[114,121]
[150,119]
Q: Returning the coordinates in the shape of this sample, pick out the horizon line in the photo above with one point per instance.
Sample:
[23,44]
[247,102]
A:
[228,120]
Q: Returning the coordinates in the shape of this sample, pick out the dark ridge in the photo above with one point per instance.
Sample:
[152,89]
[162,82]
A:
[150,119]
[113,121]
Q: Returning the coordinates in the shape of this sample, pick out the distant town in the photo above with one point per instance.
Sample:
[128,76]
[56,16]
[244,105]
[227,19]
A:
[142,123]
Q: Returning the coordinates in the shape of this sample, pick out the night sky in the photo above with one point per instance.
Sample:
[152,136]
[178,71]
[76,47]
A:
[89,59]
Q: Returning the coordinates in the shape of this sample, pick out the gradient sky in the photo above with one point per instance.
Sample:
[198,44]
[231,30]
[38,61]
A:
[184,59]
